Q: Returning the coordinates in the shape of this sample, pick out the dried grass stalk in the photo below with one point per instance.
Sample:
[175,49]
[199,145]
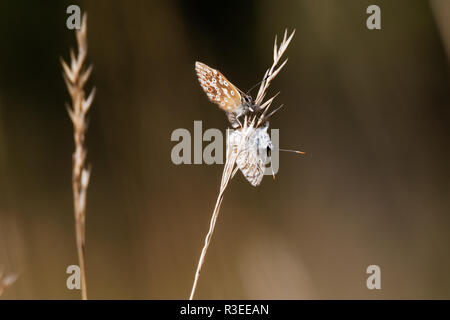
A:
[271,73]
[226,177]
[250,124]
[76,77]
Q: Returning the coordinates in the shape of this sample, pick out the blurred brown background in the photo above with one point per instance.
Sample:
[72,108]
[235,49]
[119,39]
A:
[370,108]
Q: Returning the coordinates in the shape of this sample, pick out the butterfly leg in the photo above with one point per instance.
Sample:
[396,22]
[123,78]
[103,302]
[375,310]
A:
[255,108]
[234,121]
[241,113]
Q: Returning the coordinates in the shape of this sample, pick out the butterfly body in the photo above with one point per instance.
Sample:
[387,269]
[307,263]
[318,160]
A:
[227,96]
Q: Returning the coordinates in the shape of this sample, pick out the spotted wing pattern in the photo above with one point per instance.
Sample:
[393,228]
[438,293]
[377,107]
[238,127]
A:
[218,89]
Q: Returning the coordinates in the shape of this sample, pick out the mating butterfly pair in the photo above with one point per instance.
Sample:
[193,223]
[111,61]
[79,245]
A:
[256,152]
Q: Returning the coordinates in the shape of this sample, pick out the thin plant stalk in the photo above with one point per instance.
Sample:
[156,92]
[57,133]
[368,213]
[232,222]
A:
[249,125]
[226,177]
[75,78]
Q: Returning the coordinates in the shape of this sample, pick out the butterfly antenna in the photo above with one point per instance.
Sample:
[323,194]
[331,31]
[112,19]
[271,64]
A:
[248,92]
[294,151]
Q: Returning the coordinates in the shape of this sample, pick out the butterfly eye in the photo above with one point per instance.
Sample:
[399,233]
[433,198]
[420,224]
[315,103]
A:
[269,151]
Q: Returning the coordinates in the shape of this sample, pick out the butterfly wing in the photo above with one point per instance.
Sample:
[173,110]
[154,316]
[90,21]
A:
[251,159]
[218,89]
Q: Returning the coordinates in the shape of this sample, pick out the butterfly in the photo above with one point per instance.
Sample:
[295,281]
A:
[255,153]
[226,95]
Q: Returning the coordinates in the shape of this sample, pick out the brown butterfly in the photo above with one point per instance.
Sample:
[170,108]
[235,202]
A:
[223,93]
